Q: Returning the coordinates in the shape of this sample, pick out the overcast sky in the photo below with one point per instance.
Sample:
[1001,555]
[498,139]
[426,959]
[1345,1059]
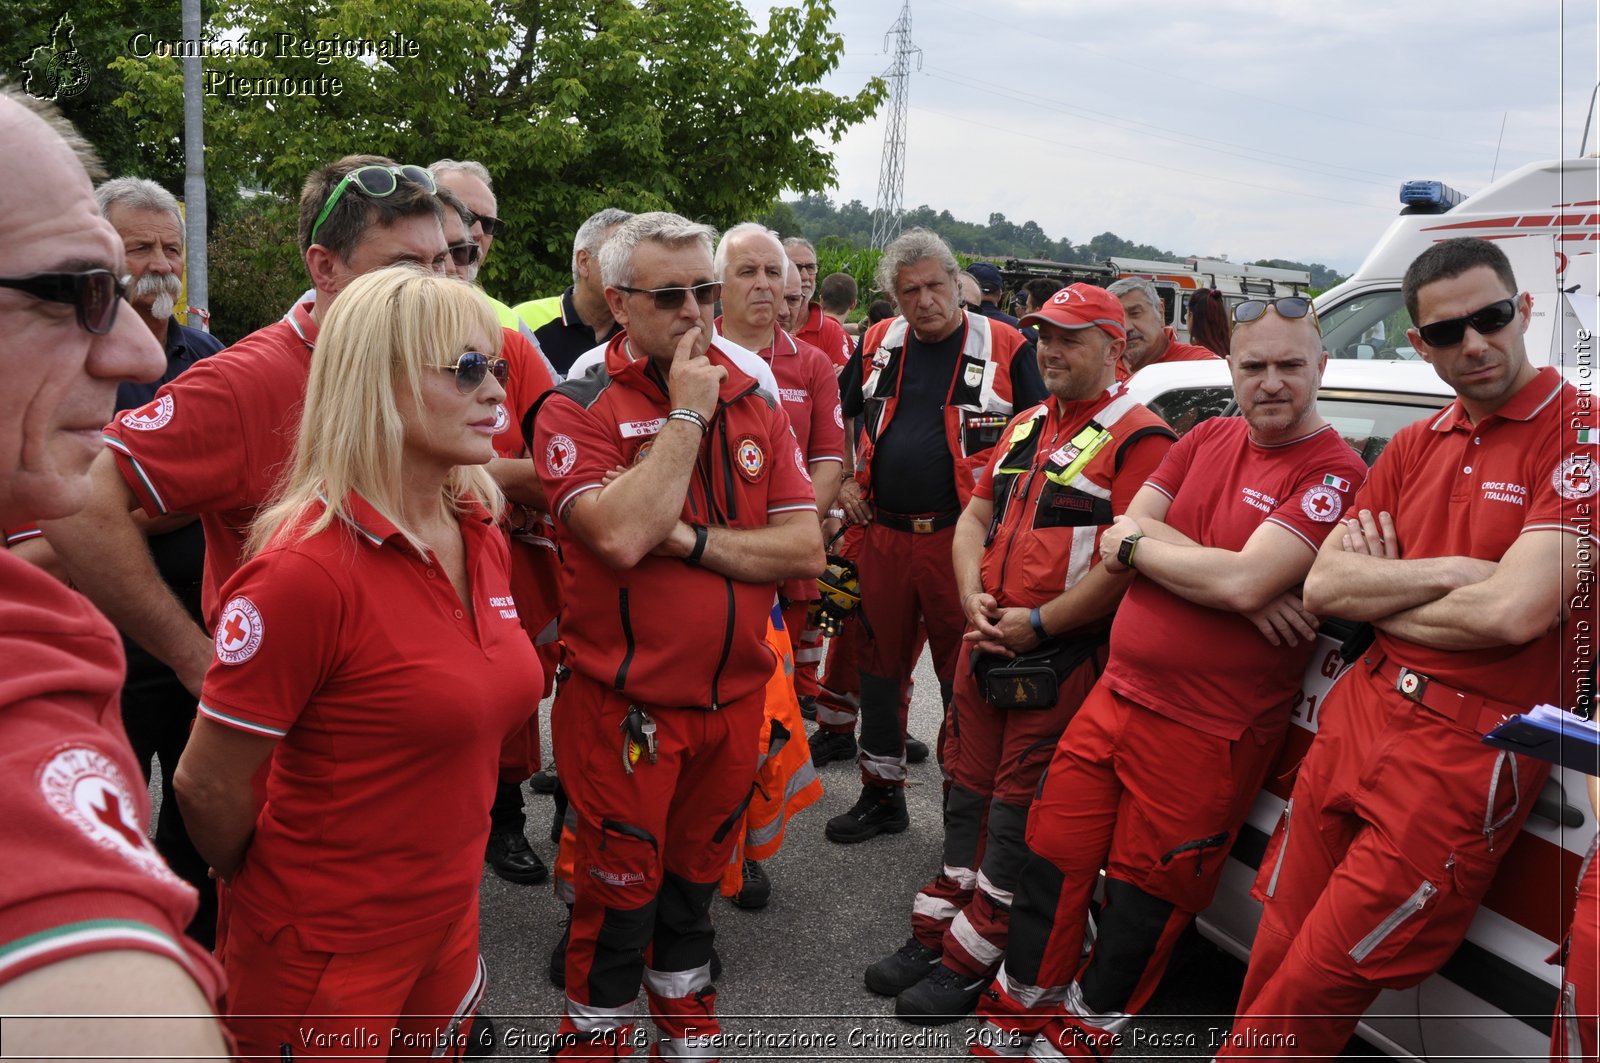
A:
[1236,128]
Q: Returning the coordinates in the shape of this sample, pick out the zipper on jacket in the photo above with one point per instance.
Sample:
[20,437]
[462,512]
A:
[1198,847]
[1409,907]
[1283,845]
[627,640]
[727,644]
[1011,540]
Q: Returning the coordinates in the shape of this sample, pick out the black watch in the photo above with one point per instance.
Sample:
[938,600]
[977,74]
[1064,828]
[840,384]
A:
[1125,551]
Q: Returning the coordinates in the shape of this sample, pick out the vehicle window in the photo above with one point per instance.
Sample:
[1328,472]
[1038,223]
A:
[1186,407]
[1368,424]
[1371,326]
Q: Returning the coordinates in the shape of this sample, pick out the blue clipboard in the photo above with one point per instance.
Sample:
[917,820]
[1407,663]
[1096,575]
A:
[1551,734]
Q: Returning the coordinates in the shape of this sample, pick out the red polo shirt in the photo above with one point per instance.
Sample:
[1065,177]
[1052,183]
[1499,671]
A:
[391,702]
[827,335]
[809,391]
[1177,351]
[667,632]
[1208,668]
[215,440]
[1459,490]
[81,875]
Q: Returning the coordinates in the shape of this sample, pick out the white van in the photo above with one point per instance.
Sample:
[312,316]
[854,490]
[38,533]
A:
[1495,998]
[1545,216]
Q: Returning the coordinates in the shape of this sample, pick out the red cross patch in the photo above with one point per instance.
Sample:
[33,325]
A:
[1576,477]
[239,631]
[1322,504]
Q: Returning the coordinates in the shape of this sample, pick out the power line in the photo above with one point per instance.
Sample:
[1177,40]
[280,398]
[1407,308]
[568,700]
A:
[892,176]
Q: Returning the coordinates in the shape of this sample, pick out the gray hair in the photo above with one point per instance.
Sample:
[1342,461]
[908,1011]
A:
[745,228]
[659,227]
[1138,284]
[909,248]
[476,169]
[51,115]
[592,233]
[136,193]
[799,241]
[457,204]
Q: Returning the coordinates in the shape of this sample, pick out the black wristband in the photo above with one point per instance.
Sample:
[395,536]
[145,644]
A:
[700,536]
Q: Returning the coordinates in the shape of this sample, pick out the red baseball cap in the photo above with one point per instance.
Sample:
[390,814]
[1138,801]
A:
[1082,305]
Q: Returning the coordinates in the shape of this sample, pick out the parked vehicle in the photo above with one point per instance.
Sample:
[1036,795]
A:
[1494,999]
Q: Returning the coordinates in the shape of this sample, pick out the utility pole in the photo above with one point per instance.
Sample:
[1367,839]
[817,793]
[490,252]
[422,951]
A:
[194,175]
[892,176]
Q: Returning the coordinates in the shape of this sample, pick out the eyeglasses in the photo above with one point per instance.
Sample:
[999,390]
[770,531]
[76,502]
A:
[492,226]
[464,254]
[1485,322]
[473,366]
[672,298]
[96,293]
[806,267]
[1292,307]
[377,182]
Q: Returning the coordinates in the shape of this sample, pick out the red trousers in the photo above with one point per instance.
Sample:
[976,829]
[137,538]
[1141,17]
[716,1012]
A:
[1397,823]
[1572,1038]
[908,586]
[1158,805]
[649,848]
[397,1001]
[994,758]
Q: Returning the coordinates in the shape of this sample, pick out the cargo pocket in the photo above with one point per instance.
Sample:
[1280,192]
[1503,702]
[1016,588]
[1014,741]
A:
[1392,928]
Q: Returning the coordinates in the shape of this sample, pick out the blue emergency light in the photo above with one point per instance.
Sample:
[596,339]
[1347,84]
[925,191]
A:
[1428,197]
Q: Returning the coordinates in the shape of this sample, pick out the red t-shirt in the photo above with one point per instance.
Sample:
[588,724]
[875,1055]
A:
[391,703]
[529,379]
[809,391]
[667,632]
[1050,534]
[1456,490]
[827,335]
[81,876]
[1176,351]
[1208,668]
[533,562]
[215,440]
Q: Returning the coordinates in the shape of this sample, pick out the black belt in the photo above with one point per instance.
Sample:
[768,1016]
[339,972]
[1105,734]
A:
[916,523]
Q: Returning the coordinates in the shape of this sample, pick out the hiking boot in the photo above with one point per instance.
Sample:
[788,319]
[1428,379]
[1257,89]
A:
[916,752]
[896,973]
[757,888]
[944,996]
[880,810]
[830,746]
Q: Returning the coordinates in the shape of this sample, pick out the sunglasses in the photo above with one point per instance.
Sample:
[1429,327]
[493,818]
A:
[96,293]
[1485,322]
[673,298]
[1292,307]
[473,366]
[377,182]
[806,267]
[464,254]
[492,226]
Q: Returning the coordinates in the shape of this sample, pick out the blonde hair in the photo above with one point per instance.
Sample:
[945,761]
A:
[375,342]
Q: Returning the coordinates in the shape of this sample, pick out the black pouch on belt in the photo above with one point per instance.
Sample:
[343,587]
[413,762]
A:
[1030,680]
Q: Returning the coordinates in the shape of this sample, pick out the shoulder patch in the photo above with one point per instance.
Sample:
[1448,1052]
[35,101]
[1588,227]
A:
[239,632]
[1322,503]
[1576,477]
[87,789]
[149,417]
[560,455]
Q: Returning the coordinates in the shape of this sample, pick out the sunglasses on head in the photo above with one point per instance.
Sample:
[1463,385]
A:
[673,298]
[377,182]
[473,366]
[1292,307]
[1485,322]
[96,293]
[464,254]
[492,226]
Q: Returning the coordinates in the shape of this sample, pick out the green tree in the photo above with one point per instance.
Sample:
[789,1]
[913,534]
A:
[573,106]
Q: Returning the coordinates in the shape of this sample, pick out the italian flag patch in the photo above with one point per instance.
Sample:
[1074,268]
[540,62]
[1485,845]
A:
[1586,435]
[1335,482]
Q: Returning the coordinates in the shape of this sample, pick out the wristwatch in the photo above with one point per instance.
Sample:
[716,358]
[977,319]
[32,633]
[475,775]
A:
[1125,551]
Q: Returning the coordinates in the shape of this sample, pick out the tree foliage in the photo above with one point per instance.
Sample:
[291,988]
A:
[574,106]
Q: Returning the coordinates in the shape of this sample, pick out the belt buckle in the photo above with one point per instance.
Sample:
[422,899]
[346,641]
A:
[1411,685]
[922,525]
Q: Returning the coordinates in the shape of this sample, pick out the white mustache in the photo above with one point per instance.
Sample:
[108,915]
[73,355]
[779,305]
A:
[163,288]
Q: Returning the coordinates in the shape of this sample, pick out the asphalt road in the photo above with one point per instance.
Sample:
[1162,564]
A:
[792,987]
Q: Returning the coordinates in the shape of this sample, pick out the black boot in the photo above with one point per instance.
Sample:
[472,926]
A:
[880,810]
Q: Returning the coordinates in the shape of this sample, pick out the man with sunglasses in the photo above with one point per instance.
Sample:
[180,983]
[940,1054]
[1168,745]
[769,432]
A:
[669,574]
[1150,338]
[1157,770]
[91,919]
[1464,551]
[215,440]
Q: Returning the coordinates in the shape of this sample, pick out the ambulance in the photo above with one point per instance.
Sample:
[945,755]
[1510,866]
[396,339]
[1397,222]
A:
[1545,216]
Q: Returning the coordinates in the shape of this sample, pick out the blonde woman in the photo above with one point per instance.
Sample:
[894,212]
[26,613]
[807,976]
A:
[370,649]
